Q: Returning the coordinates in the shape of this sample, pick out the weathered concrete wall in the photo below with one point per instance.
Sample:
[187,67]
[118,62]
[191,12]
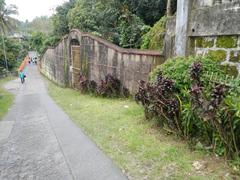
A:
[202,3]
[221,19]
[99,58]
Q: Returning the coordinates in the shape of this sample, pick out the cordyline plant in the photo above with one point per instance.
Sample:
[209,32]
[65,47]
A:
[87,86]
[205,112]
[160,100]
[214,113]
[110,87]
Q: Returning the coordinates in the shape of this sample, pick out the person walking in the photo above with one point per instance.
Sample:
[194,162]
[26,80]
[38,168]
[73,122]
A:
[22,76]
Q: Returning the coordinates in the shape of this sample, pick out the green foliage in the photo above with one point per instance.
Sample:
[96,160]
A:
[130,29]
[207,107]
[60,21]
[150,11]
[83,17]
[50,40]
[232,70]
[180,66]
[109,19]
[154,39]
[122,22]
[36,41]
[13,53]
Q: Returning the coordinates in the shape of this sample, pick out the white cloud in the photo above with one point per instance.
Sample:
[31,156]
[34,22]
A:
[29,9]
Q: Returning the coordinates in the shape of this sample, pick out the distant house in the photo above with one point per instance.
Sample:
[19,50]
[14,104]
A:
[17,36]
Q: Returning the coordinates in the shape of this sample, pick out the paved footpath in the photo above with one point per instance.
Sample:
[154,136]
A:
[39,141]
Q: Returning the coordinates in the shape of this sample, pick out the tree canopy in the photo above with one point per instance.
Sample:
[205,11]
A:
[60,21]
[123,22]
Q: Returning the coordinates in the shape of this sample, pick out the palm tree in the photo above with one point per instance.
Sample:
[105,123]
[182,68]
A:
[6,23]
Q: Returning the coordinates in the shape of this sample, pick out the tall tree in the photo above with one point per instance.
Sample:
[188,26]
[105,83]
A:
[6,23]
[150,11]
[60,21]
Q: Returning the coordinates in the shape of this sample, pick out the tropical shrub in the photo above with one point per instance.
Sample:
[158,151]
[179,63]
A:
[86,85]
[13,52]
[190,97]
[110,87]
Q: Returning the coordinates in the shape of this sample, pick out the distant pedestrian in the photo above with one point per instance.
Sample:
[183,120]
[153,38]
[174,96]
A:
[22,76]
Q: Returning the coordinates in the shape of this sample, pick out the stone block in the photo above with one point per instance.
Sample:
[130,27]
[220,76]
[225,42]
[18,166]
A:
[204,42]
[218,55]
[231,70]
[208,42]
[199,42]
[227,41]
[235,56]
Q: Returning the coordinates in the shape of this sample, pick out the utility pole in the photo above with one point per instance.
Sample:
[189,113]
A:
[169,9]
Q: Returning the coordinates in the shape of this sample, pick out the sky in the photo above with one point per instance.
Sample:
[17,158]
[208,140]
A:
[29,9]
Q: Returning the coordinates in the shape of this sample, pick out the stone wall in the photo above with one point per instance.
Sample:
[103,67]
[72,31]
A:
[52,64]
[225,49]
[213,28]
[98,58]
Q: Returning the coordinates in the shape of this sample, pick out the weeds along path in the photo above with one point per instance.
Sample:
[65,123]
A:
[137,146]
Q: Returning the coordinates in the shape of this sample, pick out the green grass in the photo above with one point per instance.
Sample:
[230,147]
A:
[137,146]
[6,98]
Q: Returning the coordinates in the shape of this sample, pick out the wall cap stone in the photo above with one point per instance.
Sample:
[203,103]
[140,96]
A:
[117,48]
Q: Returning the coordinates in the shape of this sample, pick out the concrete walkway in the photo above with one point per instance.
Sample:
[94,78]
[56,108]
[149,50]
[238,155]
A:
[38,140]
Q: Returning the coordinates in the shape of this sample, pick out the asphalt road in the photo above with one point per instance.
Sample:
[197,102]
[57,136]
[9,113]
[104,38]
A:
[39,141]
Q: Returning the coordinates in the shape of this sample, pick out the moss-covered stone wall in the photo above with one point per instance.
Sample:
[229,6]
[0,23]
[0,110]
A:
[225,49]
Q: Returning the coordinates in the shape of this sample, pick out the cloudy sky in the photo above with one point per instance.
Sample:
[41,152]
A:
[29,9]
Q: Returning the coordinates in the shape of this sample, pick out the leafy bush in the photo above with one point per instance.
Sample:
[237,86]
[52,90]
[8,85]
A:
[178,70]
[160,100]
[110,87]
[130,28]
[86,85]
[13,53]
[190,98]
[154,39]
